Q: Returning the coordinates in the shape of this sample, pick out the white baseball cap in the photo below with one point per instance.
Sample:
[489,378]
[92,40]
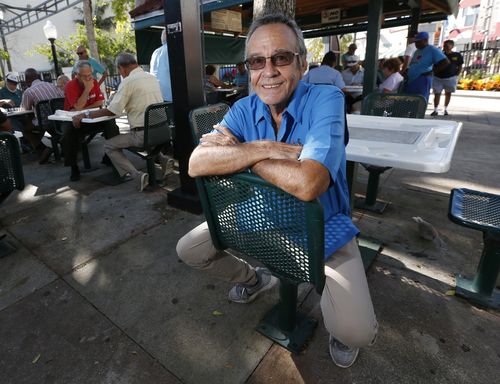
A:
[352,60]
[12,77]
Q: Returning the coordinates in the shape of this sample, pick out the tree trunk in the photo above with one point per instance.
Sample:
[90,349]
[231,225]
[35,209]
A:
[89,27]
[264,7]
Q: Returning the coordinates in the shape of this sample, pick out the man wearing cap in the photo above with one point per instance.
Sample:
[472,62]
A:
[351,50]
[426,59]
[353,75]
[447,79]
[325,73]
[10,95]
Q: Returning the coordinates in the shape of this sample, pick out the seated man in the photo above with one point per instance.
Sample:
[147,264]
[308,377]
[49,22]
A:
[137,91]
[291,134]
[38,91]
[241,79]
[326,73]
[353,75]
[81,93]
[10,95]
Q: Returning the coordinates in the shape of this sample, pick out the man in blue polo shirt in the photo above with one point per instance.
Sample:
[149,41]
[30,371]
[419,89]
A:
[291,134]
[425,59]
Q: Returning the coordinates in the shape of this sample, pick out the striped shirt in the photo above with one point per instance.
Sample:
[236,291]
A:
[38,91]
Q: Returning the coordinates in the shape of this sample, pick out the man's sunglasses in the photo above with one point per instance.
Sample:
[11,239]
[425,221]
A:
[278,60]
[80,53]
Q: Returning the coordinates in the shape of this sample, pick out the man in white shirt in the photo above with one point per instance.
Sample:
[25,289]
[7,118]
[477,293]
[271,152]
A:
[136,92]
[325,73]
[410,50]
[353,75]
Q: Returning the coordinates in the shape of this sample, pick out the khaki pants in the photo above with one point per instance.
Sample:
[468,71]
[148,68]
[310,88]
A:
[346,303]
[113,148]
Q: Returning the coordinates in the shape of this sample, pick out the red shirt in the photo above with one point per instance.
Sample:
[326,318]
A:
[74,90]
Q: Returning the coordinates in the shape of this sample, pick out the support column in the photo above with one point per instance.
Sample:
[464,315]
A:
[415,18]
[182,20]
[375,15]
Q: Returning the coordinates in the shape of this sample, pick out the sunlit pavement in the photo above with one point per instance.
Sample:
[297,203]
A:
[96,294]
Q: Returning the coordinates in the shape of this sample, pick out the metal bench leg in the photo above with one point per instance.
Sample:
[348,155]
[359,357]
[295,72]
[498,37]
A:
[370,202]
[153,183]
[85,156]
[283,324]
[481,289]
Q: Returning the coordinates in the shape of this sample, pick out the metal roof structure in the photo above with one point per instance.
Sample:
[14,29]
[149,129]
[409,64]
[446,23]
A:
[28,16]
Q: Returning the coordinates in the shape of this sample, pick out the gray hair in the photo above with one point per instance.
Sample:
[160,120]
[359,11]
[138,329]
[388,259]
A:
[125,59]
[80,64]
[278,18]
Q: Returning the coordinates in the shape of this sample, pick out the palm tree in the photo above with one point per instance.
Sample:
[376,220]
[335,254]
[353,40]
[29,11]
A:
[262,7]
[89,26]
[101,22]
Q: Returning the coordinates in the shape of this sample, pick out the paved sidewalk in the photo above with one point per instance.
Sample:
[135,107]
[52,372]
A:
[96,294]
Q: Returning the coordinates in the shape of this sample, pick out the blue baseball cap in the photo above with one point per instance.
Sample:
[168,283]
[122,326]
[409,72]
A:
[421,36]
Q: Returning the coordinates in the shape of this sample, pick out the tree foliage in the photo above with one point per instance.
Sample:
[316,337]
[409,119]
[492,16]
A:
[110,44]
[345,41]
[316,49]
[120,9]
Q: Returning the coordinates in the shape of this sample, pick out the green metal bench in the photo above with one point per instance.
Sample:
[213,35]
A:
[158,127]
[390,105]
[247,214]
[11,176]
[479,211]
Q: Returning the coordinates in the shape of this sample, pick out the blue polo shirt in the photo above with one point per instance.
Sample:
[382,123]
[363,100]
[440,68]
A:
[423,60]
[314,118]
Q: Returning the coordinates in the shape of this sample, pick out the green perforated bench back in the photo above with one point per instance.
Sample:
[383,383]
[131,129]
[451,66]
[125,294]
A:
[204,118]
[11,168]
[158,124]
[474,209]
[394,105]
[247,214]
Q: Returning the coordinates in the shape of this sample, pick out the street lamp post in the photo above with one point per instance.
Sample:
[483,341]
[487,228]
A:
[50,32]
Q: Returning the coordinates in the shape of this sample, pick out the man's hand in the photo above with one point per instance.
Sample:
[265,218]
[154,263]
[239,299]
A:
[77,120]
[88,85]
[222,137]
[283,151]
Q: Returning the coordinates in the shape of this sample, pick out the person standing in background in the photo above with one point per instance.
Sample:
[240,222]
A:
[447,79]
[350,52]
[426,59]
[97,67]
[410,50]
[159,67]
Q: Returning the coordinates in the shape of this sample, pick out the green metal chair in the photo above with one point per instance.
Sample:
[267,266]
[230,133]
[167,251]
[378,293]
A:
[390,105]
[11,176]
[43,111]
[158,127]
[479,211]
[250,215]
[56,132]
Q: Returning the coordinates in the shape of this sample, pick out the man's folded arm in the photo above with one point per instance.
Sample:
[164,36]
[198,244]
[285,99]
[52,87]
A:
[304,179]
[226,159]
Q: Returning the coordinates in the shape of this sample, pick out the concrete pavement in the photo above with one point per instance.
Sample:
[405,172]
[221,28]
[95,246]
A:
[95,292]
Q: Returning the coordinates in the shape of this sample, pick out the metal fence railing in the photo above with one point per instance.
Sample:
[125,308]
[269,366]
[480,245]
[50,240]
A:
[479,60]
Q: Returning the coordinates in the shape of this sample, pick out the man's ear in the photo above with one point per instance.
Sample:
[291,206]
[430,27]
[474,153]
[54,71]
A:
[303,64]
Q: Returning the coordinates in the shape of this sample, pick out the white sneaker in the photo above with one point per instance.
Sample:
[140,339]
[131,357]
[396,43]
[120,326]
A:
[245,293]
[167,165]
[142,180]
[342,355]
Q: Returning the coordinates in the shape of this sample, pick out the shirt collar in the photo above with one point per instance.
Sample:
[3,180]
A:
[36,81]
[292,109]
